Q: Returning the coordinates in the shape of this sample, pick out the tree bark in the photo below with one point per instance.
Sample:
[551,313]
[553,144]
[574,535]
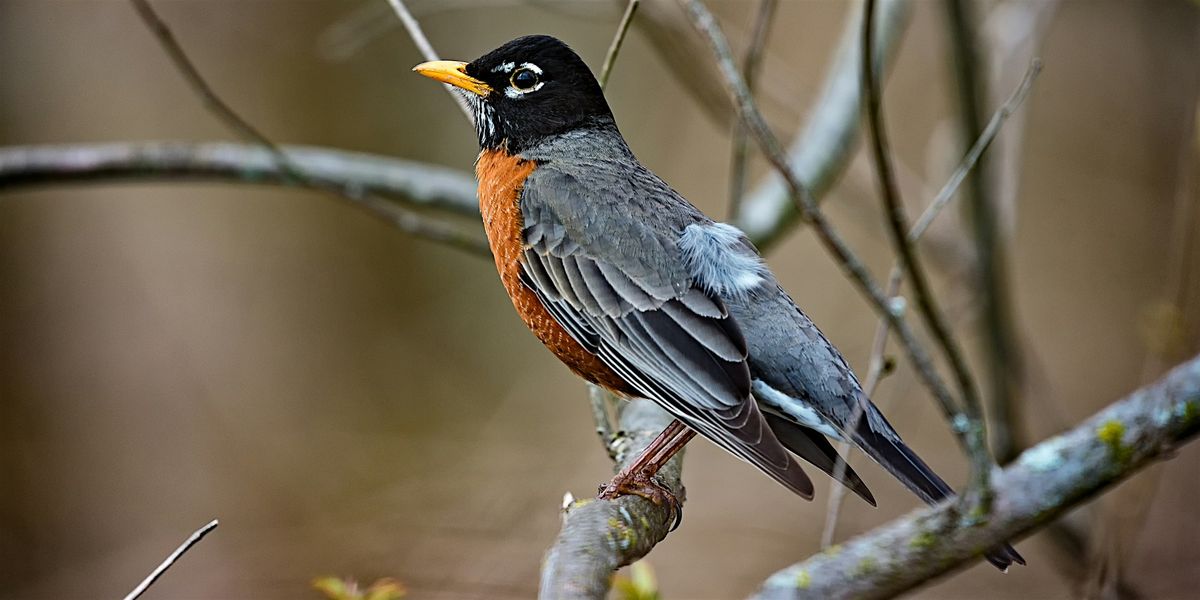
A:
[1038,487]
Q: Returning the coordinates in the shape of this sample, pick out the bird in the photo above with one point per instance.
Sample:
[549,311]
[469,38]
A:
[637,291]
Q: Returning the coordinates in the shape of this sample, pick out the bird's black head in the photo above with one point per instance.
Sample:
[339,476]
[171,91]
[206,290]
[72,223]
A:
[526,90]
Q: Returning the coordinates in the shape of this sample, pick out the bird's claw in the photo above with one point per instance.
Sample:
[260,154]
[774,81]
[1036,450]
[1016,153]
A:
[646,487]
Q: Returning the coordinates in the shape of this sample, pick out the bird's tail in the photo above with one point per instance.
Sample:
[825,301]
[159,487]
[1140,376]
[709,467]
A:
[895,456]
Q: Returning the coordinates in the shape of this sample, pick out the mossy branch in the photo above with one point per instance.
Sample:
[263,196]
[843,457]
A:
[600,536]
[1038,487]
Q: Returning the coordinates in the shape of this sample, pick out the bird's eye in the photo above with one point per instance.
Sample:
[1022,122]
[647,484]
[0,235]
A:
[524,79]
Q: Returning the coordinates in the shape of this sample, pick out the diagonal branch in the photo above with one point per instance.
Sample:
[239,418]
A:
[876,364]
[196,81]
[991,275]
[825,144]
[969,420]
[168,562]
[600,536]
[750,63]
[418,37]
[401,218]
[1041,485]
[705,23]
[610,58]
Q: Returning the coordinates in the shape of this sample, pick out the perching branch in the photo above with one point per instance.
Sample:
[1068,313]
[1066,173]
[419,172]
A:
[600,536]
[1038,487]
[171,558]
[968,419]
[370,182]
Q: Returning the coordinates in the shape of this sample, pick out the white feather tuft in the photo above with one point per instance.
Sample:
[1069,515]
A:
[718,260]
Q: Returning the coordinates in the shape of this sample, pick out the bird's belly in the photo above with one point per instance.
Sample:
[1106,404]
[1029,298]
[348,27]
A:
[501,177]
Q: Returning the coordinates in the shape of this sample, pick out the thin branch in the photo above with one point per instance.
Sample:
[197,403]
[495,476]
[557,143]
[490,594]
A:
[823,147]
[969,420]
[750,64]
[373,183]
[170,560]
[876,366]
[600,536]
[418,37]
[191,74]
[403,219]
[992,283]
[980,146]
[1045,482]
[704,22]
[614,48]
[876,363]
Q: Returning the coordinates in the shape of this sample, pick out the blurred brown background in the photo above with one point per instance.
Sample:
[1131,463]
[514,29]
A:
[351,401]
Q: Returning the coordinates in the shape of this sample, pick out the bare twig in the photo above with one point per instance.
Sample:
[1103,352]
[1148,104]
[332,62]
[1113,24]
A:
[980,146]
[1046,481]
[969,420]
[614,48]
[875,365]
[600,536]
[418,37]
[200,86]
[401,218]
[196,81]
[170,560]
[704,22]
[823,147]
[750,64]
[998,346]
[373,183]
[875,372]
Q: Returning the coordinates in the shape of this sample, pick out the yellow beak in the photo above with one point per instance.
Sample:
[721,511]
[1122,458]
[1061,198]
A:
[454,73]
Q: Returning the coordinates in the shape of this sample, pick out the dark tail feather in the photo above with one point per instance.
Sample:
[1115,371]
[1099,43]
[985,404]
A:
[816,449]
[895,456]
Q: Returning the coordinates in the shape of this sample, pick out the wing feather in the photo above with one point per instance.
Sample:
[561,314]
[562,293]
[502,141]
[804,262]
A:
[671,340]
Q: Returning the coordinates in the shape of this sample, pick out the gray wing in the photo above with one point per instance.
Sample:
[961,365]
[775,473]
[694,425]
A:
[615,282]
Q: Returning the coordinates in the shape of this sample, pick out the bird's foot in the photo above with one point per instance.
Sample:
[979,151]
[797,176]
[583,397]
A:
[645,486]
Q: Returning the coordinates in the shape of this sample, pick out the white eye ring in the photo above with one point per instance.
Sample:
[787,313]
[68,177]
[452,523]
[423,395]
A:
[524,79]
[515,91]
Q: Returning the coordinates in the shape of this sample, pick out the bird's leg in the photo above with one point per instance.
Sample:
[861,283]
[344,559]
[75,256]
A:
[637,478]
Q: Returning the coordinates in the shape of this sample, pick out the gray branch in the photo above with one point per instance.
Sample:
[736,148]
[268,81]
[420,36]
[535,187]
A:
[419,185]
[600,536]
[826,143]
[822,149]
[385,187]
[1038,487]
[169,562]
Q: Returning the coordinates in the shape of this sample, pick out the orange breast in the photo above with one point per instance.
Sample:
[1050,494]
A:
[501,177]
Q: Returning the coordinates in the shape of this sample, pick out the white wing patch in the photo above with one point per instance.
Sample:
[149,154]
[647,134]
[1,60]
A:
[717,259]
[775,401]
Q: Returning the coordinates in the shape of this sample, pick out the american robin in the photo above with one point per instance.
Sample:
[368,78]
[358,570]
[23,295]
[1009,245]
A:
[639,292]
